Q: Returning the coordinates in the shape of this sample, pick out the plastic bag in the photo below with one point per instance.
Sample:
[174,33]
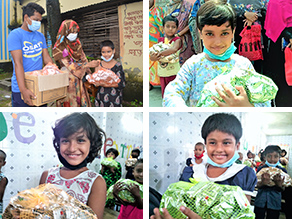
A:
[259,88]
[288,65]
[47,202]
[209,200]
[124,194]
[130,162]
[273,171]
[110,162]
[250,45]
[103,77]
[159,47]
[49,69]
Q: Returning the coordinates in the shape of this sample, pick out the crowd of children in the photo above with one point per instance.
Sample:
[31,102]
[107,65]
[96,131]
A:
[216,21]
[221,133]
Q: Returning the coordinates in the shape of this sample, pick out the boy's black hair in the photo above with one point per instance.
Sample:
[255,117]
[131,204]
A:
[136,150]
[108,43]
[30,8]
[169,18]
[272,148]
[114,151]
[3,154]
[216,12]
[77,122]
[223,122]
[138,161]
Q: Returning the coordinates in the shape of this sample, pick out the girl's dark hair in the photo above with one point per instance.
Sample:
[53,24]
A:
[272,148]
[108,43]
[136,150]
[283,151]
[223,122]
[138,161]
[169,18]
[3,154]
[79,122]
[114,151]
[30,8]
[216,12]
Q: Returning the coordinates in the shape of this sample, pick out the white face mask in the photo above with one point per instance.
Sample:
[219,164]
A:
[107,60]
[72,36]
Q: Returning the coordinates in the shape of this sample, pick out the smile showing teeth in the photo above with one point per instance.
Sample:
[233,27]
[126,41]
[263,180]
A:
[72,155]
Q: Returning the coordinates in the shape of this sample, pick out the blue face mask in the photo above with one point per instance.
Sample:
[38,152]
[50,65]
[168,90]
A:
[107,60]
[226,164]
[273,165]
[34,26]
[224,56]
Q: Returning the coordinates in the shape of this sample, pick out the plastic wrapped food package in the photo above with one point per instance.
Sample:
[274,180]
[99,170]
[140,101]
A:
[258,87]
[209,200]
[103,77]
[130,162]
[49,69]
[159,47]
[124,194]
[46,202]
[110,162]
[274,171]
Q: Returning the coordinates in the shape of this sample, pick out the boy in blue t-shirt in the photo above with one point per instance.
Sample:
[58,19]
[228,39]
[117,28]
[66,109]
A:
[29,51]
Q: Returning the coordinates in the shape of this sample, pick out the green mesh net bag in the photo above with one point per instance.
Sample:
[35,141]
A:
[124,194]
[209,200]
[110,162]
[259,88]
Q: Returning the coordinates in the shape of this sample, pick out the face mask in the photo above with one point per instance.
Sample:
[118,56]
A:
[273,165]
[222,57]
[34,26]
[226,164]
[72,37]
[69,166]
[199,157]
[107,60]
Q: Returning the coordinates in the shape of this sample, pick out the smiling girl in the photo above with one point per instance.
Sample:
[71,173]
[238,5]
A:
[78,140]
[216,22]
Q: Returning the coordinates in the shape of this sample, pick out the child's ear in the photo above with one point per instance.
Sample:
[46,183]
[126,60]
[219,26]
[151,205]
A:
[237,146]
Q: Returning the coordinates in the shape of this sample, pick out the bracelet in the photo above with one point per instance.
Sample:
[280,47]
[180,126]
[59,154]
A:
[178,34]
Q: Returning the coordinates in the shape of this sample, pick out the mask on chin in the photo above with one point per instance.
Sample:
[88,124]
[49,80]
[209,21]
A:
[222,57]
[107,60]
[227,163]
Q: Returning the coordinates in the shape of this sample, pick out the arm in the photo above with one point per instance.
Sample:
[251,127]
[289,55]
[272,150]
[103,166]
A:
[46,57]
[97,197]
[19,72]
[278,180]
[171,50]
[3,184]
[134,189]
[44,177]
[265,180]
[121,75]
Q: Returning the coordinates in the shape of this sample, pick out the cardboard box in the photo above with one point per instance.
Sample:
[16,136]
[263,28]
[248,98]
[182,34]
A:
[47,88]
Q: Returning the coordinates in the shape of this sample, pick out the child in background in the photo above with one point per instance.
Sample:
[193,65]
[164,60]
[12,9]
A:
[132,210]
[77,141]
[3,179]
[199,154]
[134,155]
[268,199]
[221,133]
[216,22]
[111,175]
[239,160]
[110,96]
[167,71]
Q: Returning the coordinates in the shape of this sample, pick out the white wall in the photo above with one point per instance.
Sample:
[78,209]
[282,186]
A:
[30,150]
